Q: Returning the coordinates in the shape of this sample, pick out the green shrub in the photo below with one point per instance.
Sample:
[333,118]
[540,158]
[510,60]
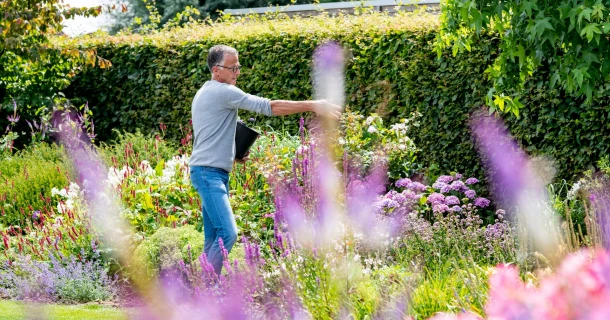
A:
[167,246]
[26,180]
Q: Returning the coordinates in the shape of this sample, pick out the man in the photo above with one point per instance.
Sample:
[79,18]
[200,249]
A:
[214,114]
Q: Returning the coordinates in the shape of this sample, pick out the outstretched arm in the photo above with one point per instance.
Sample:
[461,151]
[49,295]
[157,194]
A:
[321,107]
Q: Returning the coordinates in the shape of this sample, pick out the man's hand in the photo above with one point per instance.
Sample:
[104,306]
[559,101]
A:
[327,109]
[244,159]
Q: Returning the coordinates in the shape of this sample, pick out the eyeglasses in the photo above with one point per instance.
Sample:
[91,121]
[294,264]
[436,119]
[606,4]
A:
[234,69]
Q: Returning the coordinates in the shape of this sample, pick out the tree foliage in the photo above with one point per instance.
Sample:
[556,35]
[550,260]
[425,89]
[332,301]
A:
[567,37]
[32,71]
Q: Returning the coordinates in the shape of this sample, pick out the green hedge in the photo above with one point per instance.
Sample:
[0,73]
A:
[392,70]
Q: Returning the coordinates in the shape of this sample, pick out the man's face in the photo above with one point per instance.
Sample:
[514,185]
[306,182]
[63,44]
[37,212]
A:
[228,72]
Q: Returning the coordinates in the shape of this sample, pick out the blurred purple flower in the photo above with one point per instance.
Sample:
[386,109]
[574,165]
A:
[328,56]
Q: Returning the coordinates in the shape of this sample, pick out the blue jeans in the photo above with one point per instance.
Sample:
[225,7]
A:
[212,184]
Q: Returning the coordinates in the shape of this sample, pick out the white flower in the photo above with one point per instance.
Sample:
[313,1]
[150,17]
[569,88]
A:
[341,141]
[62,192]
[574,190]
[146,169]
[73,191]
[372,129]
[70,204]
[369,120]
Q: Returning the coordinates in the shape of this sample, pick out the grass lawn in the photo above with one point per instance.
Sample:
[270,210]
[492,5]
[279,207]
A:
[17,310]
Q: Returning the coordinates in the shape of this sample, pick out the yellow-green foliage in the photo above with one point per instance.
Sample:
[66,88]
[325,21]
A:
[450,290]
[167,246]
[26,180]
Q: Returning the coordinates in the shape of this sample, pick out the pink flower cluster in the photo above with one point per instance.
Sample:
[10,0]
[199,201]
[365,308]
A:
[580,289]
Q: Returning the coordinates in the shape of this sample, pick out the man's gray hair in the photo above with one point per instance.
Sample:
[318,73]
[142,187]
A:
[217,55]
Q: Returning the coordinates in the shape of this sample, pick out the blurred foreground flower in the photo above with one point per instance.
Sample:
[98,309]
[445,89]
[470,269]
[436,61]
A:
[518,187]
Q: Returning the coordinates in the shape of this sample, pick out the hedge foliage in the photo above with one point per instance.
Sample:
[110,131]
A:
[392,69]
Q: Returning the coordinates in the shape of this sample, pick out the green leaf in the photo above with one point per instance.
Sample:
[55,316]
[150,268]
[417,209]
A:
[159,168]
[590,30]
[585,13]
[554,79]
[499,101]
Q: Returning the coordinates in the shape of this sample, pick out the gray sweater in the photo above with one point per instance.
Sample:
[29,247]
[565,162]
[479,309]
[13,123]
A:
[214,112]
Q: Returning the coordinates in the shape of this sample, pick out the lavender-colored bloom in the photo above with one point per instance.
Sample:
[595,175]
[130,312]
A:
[444,179]
[400,198]
[439,185]
[446,188]
[440,208]
[402,182]
[436,198]
[13,119]
[481,202]
[35,214]
[470,194]
[389,203]
[458,186]
[417,186]
[456,209]
[458,176]
[452,200]
[472,180]
[251,119]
